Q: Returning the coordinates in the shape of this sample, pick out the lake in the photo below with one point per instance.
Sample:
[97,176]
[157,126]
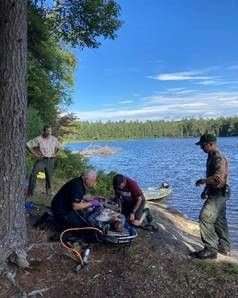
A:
[175,161]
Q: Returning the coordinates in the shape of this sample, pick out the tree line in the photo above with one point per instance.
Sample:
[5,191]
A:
[84,130]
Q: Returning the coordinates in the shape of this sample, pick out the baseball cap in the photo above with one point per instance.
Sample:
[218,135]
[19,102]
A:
[206,138]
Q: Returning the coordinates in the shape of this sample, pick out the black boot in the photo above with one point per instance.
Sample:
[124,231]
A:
[148,216]
[206,253]
[148,221]
[224,251]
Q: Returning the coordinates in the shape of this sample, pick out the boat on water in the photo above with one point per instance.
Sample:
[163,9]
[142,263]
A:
[158,193]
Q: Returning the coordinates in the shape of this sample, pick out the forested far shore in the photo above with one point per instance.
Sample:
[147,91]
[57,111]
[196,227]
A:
[85,130]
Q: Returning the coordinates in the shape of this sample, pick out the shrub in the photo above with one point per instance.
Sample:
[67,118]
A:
[104,184]
[34,123]
[70,165]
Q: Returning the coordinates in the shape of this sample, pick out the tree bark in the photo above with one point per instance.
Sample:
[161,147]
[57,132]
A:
[13,52]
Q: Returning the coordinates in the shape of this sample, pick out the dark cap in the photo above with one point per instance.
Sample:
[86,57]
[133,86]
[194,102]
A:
[118,180]
[207,138]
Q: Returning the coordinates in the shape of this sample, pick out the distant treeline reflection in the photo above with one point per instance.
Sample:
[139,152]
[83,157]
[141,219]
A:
[152,129]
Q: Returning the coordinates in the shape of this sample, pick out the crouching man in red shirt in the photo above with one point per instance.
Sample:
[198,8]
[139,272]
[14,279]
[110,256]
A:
[131,198]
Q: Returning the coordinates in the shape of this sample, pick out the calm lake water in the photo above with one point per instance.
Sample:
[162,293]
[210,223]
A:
[176,161]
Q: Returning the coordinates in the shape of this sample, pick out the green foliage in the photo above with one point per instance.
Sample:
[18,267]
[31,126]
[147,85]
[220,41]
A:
[70,165]
[50,67]
[230,268]
[84,22]
[152,129]
[51,26]
[104,184]
[34,123]
[30,160]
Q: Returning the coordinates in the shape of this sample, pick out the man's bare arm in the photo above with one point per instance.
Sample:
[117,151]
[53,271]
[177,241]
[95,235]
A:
[35,151]
[81,206]
[138,203]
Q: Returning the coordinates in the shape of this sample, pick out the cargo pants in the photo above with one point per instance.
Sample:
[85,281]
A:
[213,222]
[45,164]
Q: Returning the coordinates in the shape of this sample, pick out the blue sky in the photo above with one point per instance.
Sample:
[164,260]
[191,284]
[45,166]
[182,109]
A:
[172,59]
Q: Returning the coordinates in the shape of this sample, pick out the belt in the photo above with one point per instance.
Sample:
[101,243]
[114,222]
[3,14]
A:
[48,157]
[217,191]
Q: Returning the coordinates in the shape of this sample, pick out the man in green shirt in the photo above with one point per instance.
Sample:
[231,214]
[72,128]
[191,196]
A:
[212,219]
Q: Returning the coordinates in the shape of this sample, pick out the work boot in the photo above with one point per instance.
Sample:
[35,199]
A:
[224,251]
[206,253]
[148,215]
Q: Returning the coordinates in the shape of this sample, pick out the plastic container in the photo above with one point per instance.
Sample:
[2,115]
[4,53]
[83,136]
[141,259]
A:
[86,256]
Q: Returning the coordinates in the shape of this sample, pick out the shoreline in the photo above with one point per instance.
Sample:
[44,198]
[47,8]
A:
[184,224]
[134,139]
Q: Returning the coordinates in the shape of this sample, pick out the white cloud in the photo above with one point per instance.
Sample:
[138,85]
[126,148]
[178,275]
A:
[193,104]
[203,104]
[181,76]
[232,103]
[178,91]
[175,89]
[183,92]
[206,77]
[208,82]
[125,102]
[217,82]
[180,102]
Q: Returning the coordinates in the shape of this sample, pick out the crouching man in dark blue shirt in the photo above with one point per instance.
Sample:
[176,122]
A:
[68,202]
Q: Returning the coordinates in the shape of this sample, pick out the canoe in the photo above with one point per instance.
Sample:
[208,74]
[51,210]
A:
[157,194]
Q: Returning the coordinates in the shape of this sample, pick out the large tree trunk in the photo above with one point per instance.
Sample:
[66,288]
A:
[13,51]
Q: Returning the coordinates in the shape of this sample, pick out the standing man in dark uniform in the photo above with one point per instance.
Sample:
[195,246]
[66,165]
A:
[212,219]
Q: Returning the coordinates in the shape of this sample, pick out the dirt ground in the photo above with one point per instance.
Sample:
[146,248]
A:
[157,264]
